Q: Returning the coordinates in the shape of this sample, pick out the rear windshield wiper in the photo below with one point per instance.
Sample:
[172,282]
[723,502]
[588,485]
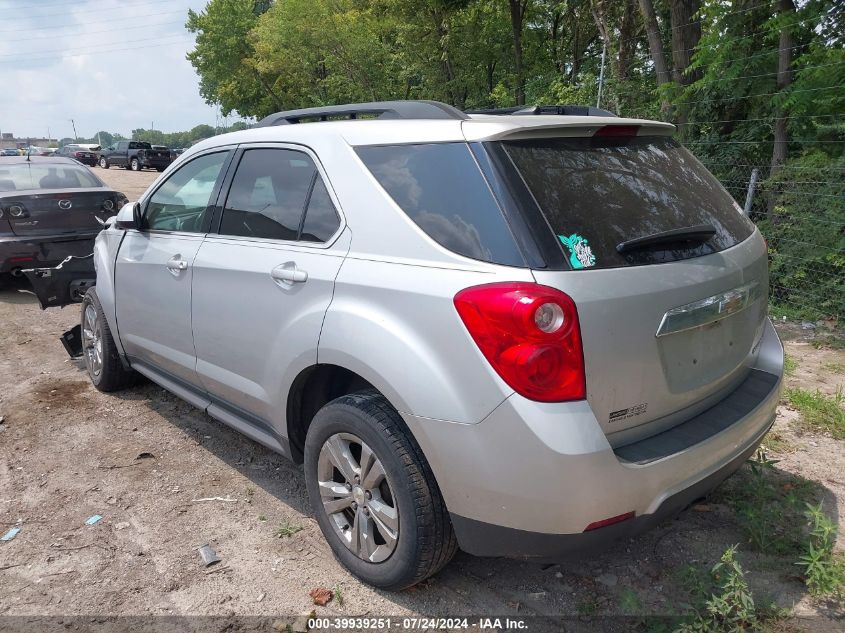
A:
[695,234]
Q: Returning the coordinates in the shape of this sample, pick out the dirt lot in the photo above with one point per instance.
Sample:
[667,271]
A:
[132,183]
[143,459]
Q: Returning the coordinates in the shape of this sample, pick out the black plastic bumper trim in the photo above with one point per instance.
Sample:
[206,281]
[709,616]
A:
[756,388]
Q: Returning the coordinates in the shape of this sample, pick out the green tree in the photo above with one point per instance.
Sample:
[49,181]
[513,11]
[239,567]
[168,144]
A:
[223,57]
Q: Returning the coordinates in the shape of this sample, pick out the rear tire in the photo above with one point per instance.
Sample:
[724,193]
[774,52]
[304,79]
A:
[102,359]
[134,165]
[104,164]
[420,540]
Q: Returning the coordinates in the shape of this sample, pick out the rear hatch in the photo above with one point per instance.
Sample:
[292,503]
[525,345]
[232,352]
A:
[38,213]
[669,278]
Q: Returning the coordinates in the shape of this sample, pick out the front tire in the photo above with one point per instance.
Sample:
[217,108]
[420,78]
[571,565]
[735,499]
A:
[104,164]
[374,495]
[134,165]
[102,359]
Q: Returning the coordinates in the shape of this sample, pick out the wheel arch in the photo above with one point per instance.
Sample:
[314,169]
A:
[312,388]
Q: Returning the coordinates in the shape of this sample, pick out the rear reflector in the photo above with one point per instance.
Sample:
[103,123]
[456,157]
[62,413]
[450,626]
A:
[617,131]
[18,260]
[611,521]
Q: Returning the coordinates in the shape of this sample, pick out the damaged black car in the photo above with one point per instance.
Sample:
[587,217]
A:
[51,209]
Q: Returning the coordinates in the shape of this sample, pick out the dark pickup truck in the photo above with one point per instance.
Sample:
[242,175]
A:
[134,155]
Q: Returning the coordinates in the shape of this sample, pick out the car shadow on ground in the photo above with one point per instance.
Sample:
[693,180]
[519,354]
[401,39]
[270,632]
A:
[664,572]
[16,291]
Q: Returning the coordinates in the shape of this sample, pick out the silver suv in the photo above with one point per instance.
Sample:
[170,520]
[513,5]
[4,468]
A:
[522,334]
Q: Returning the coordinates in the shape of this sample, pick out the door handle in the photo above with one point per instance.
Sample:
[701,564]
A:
[288,273]
[176,265]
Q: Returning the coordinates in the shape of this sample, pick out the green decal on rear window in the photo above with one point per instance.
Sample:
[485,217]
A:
[580,253]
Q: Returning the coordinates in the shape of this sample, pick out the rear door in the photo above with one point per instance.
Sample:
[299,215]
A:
[154,268]
[263,283]
[669,321]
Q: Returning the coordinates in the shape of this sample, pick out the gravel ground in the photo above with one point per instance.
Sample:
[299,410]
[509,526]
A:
[132,183]
[142,458]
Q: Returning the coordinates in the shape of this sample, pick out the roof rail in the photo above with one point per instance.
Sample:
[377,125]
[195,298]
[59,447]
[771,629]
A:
[560,110]
[381,110]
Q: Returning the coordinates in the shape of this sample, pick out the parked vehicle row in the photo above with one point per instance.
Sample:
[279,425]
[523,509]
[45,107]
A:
[134,155]
[522,333]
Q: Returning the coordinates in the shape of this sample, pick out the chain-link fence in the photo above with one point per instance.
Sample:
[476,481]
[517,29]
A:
[800,210]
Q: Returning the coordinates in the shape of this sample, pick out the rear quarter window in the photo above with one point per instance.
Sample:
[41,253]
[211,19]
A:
[597,193]
[440,187]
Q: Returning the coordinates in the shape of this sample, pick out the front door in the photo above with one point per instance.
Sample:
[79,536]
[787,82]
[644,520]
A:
[263,284]
[153,271]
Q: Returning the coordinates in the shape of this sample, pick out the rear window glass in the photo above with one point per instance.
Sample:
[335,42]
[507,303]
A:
[27,176]
[597,193]
[443,191]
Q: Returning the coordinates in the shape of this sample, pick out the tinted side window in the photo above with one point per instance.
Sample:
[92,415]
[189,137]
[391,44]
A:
[181,203]
[321,219]
[268,194]
[441,188]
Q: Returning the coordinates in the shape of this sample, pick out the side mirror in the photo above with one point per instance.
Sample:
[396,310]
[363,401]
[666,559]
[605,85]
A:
[129,217]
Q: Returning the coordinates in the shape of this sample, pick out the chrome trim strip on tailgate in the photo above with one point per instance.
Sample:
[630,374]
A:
[704,311]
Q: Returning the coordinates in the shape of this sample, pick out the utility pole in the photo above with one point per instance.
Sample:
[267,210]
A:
[601,74]
[75,135]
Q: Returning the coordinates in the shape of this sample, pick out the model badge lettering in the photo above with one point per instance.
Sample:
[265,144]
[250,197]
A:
[630,412]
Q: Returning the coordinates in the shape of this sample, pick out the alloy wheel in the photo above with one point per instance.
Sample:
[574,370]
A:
[92,341]
[358,498]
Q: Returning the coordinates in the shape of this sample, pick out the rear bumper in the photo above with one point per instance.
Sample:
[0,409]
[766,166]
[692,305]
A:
[42,251]
[529,479]
[485,539]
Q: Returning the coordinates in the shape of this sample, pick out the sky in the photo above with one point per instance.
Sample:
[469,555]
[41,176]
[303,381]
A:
[112,65]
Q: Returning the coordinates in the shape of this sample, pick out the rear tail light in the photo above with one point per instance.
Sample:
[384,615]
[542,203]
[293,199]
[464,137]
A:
[79,154]
[530,335]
